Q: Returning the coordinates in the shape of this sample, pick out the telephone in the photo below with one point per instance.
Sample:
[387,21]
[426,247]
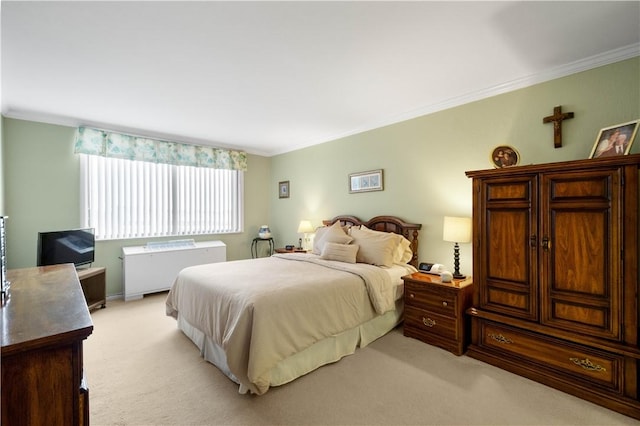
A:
[431,268]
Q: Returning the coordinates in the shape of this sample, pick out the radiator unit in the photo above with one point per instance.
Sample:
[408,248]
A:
[154,267]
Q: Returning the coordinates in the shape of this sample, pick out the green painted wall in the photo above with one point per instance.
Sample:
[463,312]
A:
[425,159]
[42,194]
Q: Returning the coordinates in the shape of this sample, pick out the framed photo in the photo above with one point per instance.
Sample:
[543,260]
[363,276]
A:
[366,181]
[283,189]
[615,140]
[504,156]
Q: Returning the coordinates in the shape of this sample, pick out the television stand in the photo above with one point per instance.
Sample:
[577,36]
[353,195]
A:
[94,286]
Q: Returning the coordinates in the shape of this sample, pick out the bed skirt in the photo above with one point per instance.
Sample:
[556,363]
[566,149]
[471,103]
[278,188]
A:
[324,352]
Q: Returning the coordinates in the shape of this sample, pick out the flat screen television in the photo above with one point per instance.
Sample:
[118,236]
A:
[75,246]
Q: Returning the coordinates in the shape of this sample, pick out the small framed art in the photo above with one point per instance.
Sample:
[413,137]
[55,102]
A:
[366,181]
[283,189]
[504,156]
[615,140]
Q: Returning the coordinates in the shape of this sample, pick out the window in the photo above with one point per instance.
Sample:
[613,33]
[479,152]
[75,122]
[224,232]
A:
[123,198]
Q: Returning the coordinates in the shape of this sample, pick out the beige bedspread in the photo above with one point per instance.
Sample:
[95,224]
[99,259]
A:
[261,311]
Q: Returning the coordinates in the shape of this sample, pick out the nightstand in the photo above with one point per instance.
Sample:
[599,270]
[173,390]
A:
[434,312]
[294,250]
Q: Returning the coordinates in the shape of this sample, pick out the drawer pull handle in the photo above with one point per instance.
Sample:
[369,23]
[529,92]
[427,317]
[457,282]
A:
[587,364]
[428,322]
[499,338]
[411,295]
[445,304]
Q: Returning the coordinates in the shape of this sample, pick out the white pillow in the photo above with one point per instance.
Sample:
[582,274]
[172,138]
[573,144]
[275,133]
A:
[340,252]
[329,234]
[403,252]
[316,239]
[376,248]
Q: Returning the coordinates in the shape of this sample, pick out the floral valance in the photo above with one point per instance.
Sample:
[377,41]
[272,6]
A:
[110,144]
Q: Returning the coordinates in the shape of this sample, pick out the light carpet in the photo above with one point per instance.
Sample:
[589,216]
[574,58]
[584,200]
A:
[143,371]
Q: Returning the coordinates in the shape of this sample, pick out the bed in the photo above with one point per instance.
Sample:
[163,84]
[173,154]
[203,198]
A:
[265,322]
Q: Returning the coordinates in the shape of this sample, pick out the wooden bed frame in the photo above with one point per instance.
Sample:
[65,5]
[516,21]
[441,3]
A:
[385,224]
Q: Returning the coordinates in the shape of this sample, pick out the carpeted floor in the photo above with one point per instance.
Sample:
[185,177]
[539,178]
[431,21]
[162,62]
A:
[143,371]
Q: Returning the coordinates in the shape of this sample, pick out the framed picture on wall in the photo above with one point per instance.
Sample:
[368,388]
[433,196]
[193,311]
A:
[283,189]
[615,140]
[366,181]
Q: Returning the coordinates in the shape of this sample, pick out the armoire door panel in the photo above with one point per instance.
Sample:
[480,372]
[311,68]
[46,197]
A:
[581,252]
[509,300]
[508,245]
[586,185]
[508,280]
[581,279]
[509,191]
[591,317]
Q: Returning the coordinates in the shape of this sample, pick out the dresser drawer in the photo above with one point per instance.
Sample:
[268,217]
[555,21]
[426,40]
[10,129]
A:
[578,363]
[432,298]
[430,322]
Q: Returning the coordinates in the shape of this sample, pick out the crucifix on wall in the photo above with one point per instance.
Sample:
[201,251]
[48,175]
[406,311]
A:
[556,119]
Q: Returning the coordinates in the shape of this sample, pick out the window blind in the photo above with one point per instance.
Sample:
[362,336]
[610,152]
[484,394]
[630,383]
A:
[134,199]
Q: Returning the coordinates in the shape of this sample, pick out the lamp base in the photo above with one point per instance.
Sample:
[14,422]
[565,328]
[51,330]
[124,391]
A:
[456,263]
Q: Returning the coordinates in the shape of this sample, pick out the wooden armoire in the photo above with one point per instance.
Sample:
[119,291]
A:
[555,271]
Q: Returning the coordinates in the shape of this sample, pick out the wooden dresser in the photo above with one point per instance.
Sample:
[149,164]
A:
[555,269]
[44,323]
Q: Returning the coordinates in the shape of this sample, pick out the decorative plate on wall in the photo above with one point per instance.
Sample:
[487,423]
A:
[504,156]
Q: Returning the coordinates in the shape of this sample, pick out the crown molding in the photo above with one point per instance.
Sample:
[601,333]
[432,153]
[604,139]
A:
[610,57]
[596,61]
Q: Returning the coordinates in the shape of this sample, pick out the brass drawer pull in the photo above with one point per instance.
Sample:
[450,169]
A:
[428,322]
[499,338]
[587,364]
[445,304]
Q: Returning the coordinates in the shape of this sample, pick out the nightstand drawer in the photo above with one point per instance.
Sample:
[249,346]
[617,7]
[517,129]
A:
[430,322]
[441,300]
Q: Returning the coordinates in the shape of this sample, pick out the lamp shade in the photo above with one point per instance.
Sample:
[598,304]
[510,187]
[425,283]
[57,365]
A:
[305,227]
[457,229]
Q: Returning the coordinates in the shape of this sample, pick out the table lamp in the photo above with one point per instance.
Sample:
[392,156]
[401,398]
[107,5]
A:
[306,229]
[457,230]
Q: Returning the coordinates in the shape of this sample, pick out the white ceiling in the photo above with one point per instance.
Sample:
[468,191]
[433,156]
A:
[271,77]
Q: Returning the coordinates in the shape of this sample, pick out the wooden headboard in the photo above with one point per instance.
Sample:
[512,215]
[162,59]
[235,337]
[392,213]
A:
[385,224]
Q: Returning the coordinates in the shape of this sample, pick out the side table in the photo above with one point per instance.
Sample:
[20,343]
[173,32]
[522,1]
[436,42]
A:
[434,312]
[93,283]
[293,250]
[254,246]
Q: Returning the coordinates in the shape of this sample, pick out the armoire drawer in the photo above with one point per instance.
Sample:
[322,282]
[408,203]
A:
[578,363]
